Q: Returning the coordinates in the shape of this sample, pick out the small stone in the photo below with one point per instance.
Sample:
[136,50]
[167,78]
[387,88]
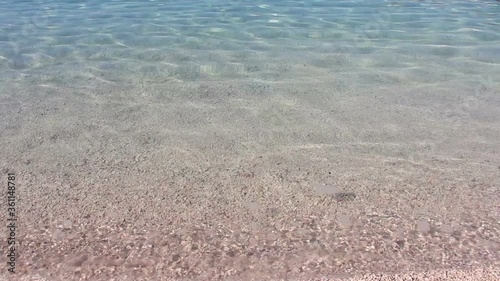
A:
[423,226]
[344,221]
[400,243]
[327,189]
[447,229]
[67,224]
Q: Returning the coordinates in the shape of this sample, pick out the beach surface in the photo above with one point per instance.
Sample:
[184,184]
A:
[254,180]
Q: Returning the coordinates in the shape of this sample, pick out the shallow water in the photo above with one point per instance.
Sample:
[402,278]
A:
[318,136]
[418,41]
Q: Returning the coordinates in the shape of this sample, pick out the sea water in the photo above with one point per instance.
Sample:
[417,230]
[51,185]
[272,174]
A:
[156,41]
[372,125]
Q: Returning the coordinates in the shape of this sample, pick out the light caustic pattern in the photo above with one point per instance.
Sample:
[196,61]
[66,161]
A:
[193,40]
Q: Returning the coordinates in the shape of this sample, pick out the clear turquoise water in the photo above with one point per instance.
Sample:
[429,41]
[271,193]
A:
[421,41]
[378,118]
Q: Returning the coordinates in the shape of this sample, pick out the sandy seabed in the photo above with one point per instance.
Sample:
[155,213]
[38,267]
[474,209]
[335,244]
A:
[254,180]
